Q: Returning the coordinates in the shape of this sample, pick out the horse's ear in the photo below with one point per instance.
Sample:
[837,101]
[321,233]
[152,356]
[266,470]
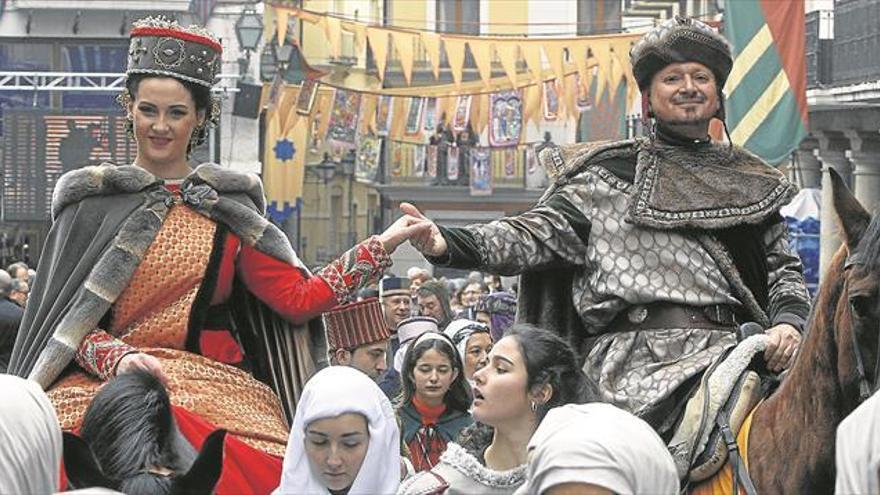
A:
[205,472]
[851,215]
[81,465]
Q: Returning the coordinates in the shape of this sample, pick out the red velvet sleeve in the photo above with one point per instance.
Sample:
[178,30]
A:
[297,297]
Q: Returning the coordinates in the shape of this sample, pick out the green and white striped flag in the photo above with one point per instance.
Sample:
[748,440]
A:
[766,90]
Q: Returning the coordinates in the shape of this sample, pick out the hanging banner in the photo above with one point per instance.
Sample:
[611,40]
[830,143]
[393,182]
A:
[414,115]
[383,115]
[343,119]
[419,156]
[284,167]
[367,159]
[430,118]
[481,172]
[508,160]
[462,113]
[506,108]
[396,159]
[306,99]
[551,101]
[583,101]
[431,161]
[452,154]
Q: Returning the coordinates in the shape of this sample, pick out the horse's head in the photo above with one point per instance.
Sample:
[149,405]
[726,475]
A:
[857,310]
[130,442]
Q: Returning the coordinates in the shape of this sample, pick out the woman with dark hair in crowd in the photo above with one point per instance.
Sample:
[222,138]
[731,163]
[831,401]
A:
[530,371]
[435,401]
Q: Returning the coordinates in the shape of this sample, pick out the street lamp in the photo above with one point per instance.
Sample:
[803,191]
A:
[248,30]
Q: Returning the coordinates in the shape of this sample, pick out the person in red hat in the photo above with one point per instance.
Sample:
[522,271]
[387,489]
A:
[357,336]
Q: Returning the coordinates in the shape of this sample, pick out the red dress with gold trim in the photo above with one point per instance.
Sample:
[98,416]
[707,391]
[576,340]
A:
[209,390]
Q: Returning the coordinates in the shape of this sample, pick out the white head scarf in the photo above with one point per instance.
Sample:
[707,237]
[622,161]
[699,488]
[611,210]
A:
[460,332]
[858,449]
[601,445]
[339,390]
[30,439]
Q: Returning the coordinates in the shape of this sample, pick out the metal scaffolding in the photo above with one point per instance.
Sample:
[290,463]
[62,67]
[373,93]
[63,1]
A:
[104,82]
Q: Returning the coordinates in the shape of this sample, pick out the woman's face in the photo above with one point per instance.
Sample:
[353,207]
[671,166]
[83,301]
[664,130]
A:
[471,295]
[433,375]
[500,388]
[165,116]
[475,351]
[336,448]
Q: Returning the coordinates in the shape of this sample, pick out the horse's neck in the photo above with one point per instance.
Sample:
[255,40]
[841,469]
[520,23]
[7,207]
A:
[791,443]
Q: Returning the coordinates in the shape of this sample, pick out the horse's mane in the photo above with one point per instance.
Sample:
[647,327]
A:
[130,427]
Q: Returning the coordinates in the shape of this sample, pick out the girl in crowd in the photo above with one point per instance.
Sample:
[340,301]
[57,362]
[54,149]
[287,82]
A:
[343,438]
[530,371]
[436,398]
[473,343]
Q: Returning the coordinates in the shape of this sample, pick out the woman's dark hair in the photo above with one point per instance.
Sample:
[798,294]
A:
[550,361]
[458,397]
[201,96]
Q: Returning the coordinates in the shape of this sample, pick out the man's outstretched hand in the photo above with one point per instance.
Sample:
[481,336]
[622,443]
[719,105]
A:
[428,240]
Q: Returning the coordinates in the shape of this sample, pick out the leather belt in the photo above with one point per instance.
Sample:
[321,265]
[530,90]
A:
[670,315]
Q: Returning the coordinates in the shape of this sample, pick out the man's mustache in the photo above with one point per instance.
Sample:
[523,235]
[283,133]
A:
[696,98]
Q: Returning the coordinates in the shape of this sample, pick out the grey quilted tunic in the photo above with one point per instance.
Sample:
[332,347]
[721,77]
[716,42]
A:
[619,265]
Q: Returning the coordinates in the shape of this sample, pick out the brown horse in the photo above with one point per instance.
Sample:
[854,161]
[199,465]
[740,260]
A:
[791,442]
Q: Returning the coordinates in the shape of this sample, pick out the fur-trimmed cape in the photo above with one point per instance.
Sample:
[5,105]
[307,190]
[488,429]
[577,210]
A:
[104,219]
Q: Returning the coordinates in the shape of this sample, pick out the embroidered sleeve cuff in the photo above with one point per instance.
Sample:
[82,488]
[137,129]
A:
[356,269]
[100,352]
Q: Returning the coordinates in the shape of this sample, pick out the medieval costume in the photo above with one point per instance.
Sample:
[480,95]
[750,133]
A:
[332,392]
[600,445]
[462,469]
[428,429]
[647,253]
[188,271]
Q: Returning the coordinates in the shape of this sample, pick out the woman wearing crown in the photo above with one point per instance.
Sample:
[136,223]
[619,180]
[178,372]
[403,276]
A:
[161,267]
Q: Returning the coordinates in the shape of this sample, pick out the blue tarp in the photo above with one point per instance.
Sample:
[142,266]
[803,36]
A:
[802,217]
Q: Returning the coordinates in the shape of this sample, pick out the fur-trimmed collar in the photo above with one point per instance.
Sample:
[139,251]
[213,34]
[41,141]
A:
[462,461]
[708,187]
[107,178]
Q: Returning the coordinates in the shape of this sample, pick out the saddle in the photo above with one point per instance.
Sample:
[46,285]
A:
[728,392]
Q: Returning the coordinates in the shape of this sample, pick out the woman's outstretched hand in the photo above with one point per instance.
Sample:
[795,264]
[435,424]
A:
[428,239]
[403,229]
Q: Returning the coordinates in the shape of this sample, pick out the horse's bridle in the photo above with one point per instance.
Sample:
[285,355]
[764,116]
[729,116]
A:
[865,388]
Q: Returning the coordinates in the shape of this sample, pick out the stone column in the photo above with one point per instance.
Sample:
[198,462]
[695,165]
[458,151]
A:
[865,157]
[832,154]
[807,171]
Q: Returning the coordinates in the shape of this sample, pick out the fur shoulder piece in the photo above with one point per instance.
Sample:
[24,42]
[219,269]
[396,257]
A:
[462,461]
[108,178]
[98,180]
[569,160]
[225,180]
